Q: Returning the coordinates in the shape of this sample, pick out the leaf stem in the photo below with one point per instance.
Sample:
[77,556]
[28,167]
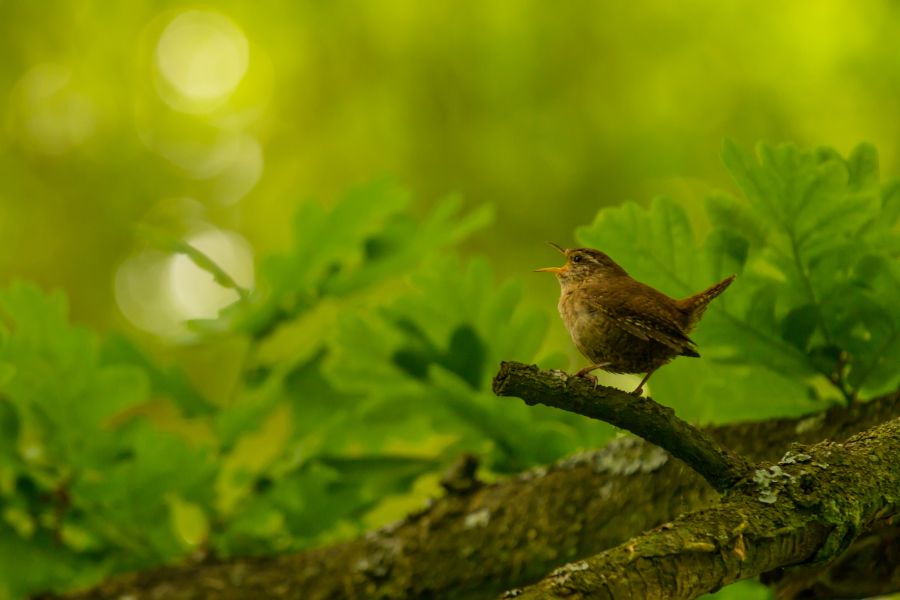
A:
[209,265]
[168,243]
[837,376]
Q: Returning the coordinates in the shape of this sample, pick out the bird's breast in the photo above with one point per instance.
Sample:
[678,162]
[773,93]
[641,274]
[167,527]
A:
[600,339]
[567,308]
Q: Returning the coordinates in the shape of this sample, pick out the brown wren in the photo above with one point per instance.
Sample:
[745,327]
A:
[620,324]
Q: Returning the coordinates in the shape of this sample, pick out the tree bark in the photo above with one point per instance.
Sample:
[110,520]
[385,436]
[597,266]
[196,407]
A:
[481,539]
[808,508]
[869,568]
[718,465]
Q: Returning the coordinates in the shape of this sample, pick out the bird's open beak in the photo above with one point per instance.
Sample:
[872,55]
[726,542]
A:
[558,247]
[555,270]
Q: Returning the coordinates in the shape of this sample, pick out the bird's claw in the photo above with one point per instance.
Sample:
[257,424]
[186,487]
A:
[588,376]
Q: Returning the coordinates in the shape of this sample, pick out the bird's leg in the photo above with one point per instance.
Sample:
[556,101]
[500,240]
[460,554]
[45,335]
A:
[586,372]
[637,391]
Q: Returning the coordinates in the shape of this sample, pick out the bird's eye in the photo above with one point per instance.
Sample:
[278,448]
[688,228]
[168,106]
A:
[576,258]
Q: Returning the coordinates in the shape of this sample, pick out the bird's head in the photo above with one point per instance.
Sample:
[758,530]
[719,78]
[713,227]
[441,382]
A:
[583,264]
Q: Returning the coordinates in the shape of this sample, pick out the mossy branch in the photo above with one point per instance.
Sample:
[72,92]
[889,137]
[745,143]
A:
[807,509]
[642,416]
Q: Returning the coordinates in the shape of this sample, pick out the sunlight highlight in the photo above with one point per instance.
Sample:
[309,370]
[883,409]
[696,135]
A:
[142,294]
[202,56]
[159,291]
[194,292]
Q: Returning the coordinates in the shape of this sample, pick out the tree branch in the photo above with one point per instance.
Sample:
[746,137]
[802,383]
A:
[808,508]
[650,420]
[505,534]
[868,569]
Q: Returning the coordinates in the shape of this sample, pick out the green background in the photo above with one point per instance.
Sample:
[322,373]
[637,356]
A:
[549,112]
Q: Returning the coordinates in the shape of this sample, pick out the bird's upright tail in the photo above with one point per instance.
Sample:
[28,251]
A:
[694,306]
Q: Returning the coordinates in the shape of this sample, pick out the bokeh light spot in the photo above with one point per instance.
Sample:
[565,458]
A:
[158,291]
[141,288]
[50,115]
[194,292]
[201,159]
[203,56]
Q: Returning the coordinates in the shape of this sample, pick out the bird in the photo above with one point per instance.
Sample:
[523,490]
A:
[620,324]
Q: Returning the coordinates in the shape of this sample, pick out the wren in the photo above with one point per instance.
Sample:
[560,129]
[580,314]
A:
[620,324]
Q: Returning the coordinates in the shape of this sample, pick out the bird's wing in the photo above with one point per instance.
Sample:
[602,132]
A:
[646,322]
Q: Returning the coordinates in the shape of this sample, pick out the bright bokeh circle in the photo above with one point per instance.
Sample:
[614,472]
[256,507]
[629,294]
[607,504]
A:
[201,56]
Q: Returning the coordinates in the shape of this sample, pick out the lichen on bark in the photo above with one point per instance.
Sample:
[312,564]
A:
[816,514]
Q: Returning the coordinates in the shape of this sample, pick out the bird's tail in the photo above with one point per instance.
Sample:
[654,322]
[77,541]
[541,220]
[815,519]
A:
[694,306]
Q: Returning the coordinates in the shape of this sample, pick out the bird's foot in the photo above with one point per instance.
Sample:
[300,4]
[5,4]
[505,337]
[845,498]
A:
[586,373]
[637,391]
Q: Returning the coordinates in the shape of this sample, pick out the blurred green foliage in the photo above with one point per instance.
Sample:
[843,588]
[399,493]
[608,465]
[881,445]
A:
[547,112]
[365,357]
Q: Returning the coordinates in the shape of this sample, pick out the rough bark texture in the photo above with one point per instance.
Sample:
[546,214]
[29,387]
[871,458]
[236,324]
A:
[480,540]
[869,568]
[637,414]
[809,507]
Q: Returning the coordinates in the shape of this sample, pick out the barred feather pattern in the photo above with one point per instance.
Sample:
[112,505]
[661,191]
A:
[694,306]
